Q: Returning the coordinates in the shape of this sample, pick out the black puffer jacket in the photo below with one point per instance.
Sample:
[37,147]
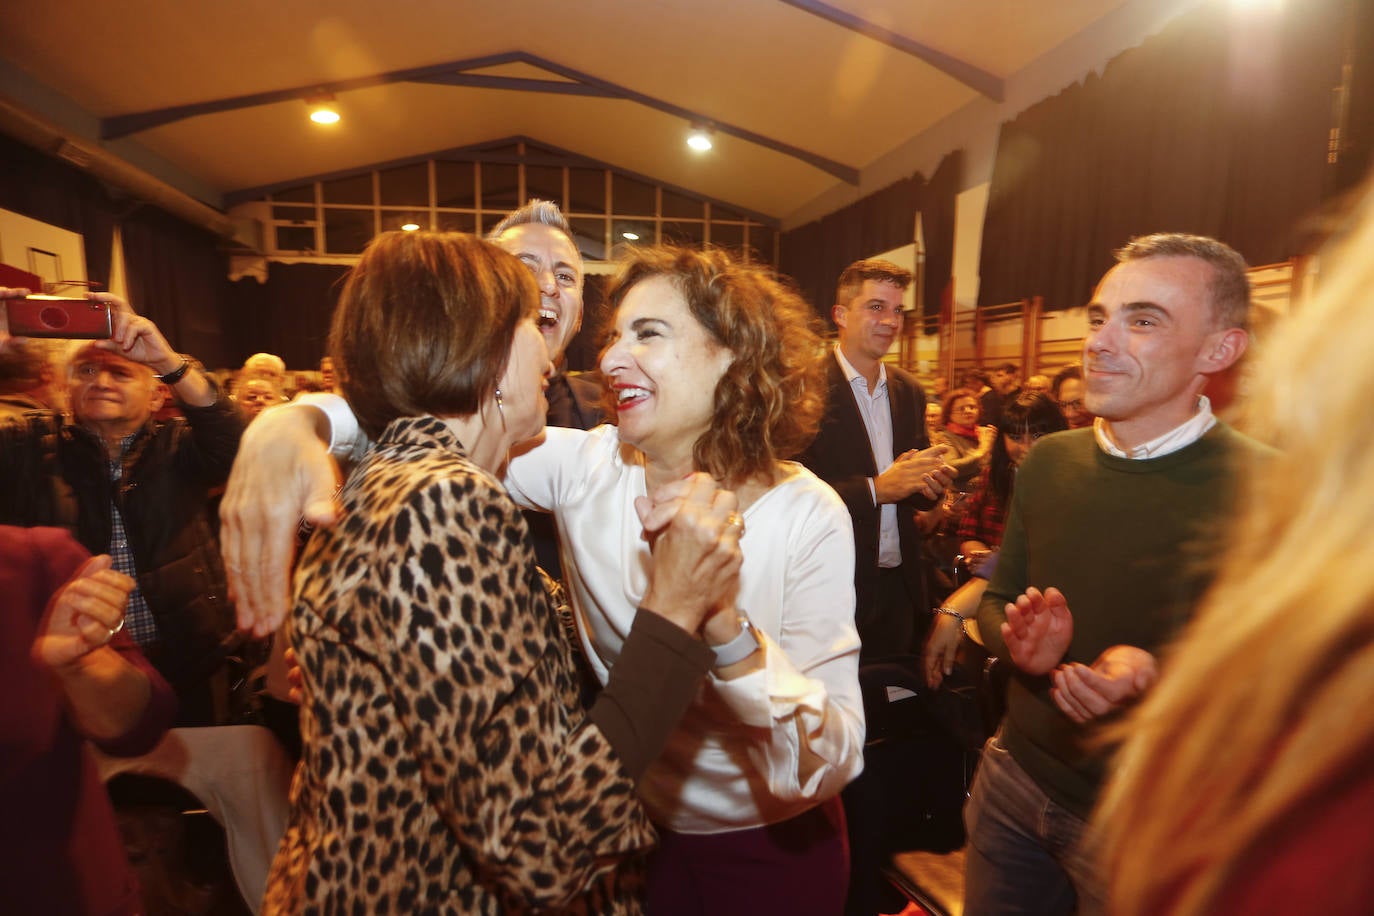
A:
[54,472]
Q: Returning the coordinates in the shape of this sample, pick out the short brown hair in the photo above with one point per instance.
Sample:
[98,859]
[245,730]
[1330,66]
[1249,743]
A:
[1229,291]
[768,405]
[853,277]
[425,323]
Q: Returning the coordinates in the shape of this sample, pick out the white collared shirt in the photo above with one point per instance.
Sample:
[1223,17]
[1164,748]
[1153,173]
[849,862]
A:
[1181,436]
[876,412]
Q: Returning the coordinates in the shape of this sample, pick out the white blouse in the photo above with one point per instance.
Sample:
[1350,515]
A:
[763,747]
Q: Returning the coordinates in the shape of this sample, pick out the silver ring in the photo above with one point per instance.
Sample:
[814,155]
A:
[117,627]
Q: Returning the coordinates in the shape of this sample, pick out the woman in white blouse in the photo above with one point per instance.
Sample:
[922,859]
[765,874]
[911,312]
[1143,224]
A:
[714,367]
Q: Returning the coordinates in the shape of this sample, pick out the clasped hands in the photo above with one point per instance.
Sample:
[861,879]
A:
[694,529]
[1038,631]
[923,472]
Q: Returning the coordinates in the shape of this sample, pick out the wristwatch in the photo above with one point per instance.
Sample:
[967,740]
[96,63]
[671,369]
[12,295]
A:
[739,648]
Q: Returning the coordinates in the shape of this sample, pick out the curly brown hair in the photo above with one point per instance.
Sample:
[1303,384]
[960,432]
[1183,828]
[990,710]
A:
[768,405]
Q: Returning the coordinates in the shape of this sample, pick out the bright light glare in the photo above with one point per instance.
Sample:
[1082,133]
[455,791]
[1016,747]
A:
[410,227]
[699,140]
[324,116]
[630,236]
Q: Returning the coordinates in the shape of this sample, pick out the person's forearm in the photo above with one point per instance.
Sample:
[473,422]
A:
[105,694]
[655,679]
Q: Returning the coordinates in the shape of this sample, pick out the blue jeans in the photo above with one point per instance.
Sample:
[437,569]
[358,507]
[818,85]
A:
[1025,854]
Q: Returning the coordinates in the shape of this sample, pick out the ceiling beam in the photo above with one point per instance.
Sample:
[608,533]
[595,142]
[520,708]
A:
[988,84]
[123,125]
[453,73]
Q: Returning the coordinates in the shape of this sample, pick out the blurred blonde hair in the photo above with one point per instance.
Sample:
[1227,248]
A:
[1265,700]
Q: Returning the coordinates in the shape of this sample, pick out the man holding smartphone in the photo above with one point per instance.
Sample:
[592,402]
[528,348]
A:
[128,485]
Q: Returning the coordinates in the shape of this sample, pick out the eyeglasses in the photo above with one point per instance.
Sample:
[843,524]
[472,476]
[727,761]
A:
[1075,404]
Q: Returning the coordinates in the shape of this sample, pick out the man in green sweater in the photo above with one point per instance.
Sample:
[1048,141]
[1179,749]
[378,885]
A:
[1103,559]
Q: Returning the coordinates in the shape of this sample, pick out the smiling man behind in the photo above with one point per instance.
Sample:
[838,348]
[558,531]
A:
[1110,522]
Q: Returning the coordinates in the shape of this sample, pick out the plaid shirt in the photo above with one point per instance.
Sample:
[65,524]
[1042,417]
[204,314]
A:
[138,618]
[983,519]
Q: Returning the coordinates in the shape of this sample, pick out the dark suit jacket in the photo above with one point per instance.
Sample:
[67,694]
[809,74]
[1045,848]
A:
[839,457]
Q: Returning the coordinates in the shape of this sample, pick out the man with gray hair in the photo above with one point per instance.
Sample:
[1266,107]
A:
[136,488]
[1108,521]
[539,235]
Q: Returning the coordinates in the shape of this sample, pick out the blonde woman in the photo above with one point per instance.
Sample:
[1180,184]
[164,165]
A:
[1247,783]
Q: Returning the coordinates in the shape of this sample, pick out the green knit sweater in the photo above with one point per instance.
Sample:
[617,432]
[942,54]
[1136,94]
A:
[1131,544]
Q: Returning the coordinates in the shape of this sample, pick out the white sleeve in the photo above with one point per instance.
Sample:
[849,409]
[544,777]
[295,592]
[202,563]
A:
[346,439]
[540,476]
[804,704]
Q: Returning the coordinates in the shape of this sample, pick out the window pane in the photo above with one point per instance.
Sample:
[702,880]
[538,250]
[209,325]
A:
[643,230]
[296,238]
[356,189]
[454,185]
[675,204]
[395,219]
[293,212]
[719,212]
[544,182]
[761,244]
[630,197]
[406,186]
[589,234]
[729,236]
[305,194]
[500,187]
[683,233]
[490,220]
[455,222]
[587,190]
[347,231]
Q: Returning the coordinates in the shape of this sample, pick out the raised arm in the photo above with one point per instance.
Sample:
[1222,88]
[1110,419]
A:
[283,474]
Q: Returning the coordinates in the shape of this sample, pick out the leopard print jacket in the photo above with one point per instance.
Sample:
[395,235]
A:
[448,766]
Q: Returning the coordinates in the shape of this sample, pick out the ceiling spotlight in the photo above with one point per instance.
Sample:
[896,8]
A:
[630,236]
[322,108]
[409,226]
[700,138]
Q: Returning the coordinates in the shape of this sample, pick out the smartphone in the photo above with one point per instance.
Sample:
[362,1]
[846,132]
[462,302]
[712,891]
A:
[55,316]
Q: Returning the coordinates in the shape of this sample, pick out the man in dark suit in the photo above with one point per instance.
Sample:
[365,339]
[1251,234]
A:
[883,485]
[873,449]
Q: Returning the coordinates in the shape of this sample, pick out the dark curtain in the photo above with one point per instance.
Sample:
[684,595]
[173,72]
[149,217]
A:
[1216,126]
[288,315]
[176,277]
[815,254]
[40,187]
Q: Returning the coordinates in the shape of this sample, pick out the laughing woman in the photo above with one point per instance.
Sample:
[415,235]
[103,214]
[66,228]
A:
[447,765]
[717,372]
[714,368]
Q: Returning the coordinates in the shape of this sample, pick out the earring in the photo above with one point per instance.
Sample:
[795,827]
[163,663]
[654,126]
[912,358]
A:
[501,407]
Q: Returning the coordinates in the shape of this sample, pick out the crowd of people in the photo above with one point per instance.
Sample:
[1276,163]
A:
[597,644]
